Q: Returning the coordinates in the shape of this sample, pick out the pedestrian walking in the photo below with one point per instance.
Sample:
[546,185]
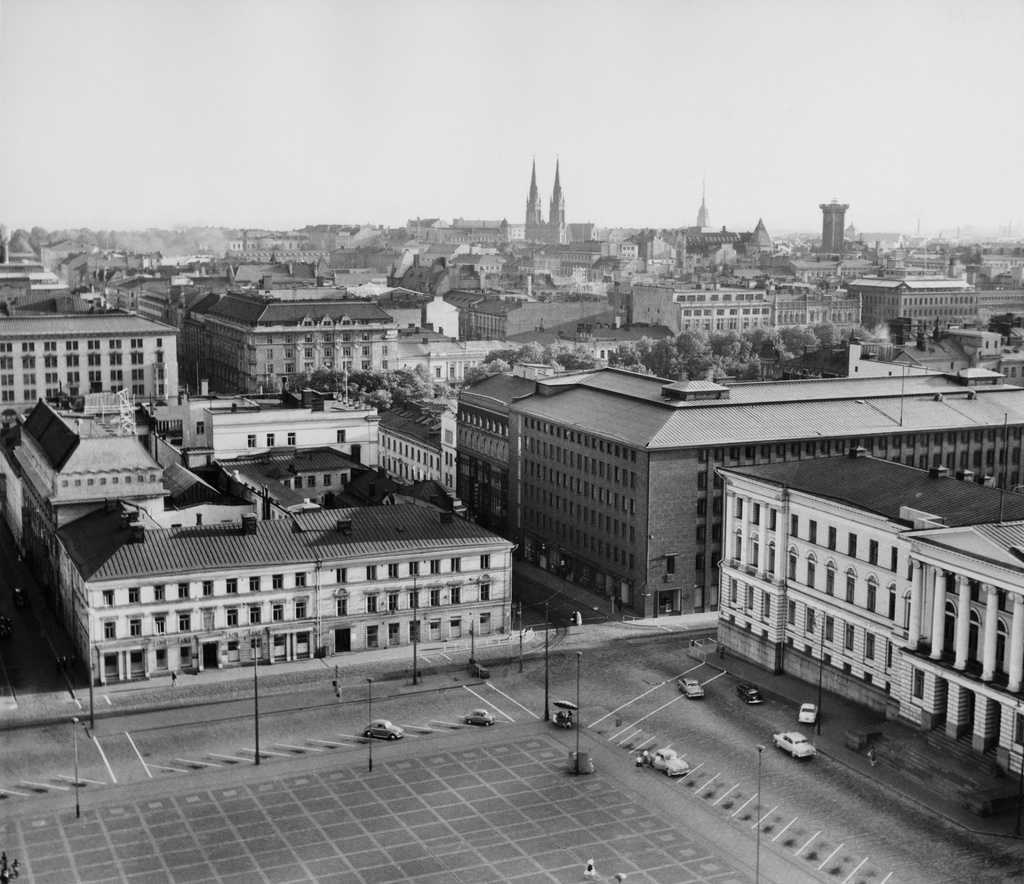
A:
[871,757]
[579,619]
[647,758]
[174,679]
[590,871]
[721,652]
[639,761]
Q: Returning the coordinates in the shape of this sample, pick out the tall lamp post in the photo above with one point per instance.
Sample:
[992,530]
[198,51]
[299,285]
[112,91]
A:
[78,807]
[472,643]
[255,642]
[821,670]
[757,862]
[579,718]
[415,630]
[369,704]
[547,624]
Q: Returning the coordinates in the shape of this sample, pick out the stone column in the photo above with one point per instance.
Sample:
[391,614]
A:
[991,628]
[963,621]
[938,614]
[916,592]
[956,710]
[1016,643]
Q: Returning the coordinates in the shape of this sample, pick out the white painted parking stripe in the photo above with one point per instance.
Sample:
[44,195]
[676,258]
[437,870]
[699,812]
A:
[854,872]
[13,792]
[298,748]
[104,757]
[265,752]
[203,763]
[489,703]
[163,767]
[745,803]
[226,757]
[630,703]
[507,697]
[137,752]
[81,780]
[44,785]
[886,878]
[709,782]
[808,844]
[451,724]
[832,854]
[722,797]
[776,838]
[632,731]
[719,675]
[692,770]
[761,821]
[328,743]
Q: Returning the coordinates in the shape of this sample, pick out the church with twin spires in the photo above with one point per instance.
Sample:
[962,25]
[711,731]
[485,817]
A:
[553,231]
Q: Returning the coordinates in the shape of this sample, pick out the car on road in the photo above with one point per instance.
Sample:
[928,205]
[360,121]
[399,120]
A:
[481,717]
[691,688]
[795,743]
[20,597]
[668,760]
[808,714]
[382,729]
[749,693]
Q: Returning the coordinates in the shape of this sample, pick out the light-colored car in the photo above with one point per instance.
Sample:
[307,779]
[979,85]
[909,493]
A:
[669,761]
[382,729]
[795,743]
[691,687]
[808,714]
[480,716]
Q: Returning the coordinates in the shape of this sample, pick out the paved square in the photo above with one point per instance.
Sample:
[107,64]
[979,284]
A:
[502,812]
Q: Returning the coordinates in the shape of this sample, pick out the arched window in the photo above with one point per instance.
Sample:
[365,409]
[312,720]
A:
[1002,658]
[872,593]
[812,564]
[771,558]
[851,585]
[738,548]
[830,579]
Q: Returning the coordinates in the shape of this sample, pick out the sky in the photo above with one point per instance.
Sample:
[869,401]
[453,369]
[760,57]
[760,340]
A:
[129,114]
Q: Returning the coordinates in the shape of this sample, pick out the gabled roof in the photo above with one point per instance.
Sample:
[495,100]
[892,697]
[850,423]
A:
[52,434]
[288,312]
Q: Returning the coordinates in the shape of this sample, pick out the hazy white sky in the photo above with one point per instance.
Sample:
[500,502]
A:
[279,113]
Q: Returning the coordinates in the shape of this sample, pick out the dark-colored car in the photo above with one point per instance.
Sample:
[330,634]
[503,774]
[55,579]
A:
[20,597]
[749,693]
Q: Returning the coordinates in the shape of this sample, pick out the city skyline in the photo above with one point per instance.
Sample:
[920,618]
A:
[127,115]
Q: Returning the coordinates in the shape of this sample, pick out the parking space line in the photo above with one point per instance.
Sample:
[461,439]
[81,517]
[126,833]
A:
[333,743]
[630,703]
[489,703]
[808,844]
[45,785]
[14,792]
[725,793]
[854,872]
[137,752]
[713,677]
[709,782]
[81,780]
[265,752]
[886,878]
[454,725]
[107,698]
[832,854]
[507,697]
[103,755]
[227,757]
[632,731]
[690,771]
[776,838]
[761,821]
[419,727]
[203,763]
[745,803]
[298,748]
[162,767]
[358,739]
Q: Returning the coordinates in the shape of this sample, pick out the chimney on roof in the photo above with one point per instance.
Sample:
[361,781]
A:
[248,523]
[854,453]
[138,534]
[199,518]
[345,526]
[938,472]
[965,475]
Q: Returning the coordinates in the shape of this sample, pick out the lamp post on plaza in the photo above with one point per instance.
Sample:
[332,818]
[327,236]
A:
[547,623]
[579,718]
[472,643]
[78,807]
[255,643]
[821,670]
[369,703]
[415,631]
[757,862]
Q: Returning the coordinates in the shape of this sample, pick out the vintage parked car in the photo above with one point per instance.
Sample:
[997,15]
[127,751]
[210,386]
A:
[808,714]
[749,693]
[795,743]
[668,760]
[691,688]
[382,729]
[480,716]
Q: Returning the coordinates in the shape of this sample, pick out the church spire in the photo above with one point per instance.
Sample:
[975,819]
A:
[703,218]
[533,181]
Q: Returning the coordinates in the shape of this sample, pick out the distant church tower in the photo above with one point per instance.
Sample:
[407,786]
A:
[833,224]
[554,230]
[703,218]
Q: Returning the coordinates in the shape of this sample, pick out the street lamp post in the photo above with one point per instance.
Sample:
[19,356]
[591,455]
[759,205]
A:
[369,704]
[579,717]
[547,623]
[415,631]
[255,642]
[821,670]
[78,807]
[472,643]
[757,862]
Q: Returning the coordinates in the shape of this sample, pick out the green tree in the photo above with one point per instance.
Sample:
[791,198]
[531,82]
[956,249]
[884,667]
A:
[693,356]
[570,356]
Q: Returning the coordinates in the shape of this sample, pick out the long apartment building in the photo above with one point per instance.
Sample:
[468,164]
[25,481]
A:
[899,587]
[46,357]
[149,601]
[613,477]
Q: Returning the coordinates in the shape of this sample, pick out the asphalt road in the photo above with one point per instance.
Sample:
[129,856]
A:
[818,813]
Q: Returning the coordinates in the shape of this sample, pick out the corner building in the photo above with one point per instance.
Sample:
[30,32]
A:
[613,479]
[900,588]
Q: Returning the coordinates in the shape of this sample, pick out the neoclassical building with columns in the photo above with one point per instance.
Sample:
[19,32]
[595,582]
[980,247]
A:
[897,587]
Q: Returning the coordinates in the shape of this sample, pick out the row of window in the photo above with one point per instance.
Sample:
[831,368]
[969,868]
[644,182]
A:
[589,465]
[133,595]
[92,344]
[577,438]
[290,438]
[102,480]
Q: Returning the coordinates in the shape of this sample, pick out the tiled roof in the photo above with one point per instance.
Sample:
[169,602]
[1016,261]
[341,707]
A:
[102,550]
[305,460]
[239,308]
[81,324]
[287,312]
[883,487]
[415,423]
[499,388]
